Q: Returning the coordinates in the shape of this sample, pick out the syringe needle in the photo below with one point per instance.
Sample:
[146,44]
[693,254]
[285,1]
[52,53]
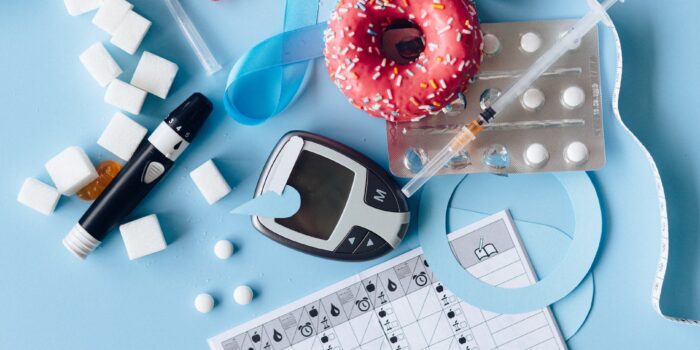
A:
[468,133]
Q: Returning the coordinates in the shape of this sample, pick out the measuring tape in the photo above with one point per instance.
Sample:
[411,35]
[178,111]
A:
[287,70]
[663,214]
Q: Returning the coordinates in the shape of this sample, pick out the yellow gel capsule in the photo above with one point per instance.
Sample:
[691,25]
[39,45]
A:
[106,172]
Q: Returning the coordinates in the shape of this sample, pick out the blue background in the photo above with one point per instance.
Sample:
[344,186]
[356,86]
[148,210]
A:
[48,299]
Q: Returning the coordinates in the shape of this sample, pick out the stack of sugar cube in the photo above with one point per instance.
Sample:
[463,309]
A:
[115,17]
[72,170]
[153,74]
[69,170]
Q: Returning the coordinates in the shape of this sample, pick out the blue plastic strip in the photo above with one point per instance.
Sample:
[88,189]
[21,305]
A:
[267,78]
[432,227]
[272,205]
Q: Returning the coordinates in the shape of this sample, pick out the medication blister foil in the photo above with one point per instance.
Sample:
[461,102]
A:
[562,108]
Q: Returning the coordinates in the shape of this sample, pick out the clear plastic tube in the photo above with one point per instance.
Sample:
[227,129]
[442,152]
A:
[551,56]
[206,58]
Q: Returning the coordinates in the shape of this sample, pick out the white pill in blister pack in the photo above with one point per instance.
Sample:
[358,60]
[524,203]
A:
[573,97]
[533,99]
[536,155]
[491,44]
[536,134]
[530,42]
[576,153]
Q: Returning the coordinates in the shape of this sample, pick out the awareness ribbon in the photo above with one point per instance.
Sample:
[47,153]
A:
[267,78]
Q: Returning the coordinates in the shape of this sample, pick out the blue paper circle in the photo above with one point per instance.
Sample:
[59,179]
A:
[432,227]
[546,246]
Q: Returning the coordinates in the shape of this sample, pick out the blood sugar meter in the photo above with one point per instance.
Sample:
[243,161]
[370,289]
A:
[350,208]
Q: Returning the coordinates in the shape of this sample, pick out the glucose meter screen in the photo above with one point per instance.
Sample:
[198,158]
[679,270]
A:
[324,186]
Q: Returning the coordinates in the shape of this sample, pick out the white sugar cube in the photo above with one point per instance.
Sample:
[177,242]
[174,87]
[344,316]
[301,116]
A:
[111,14]
[78,7]
[122,136]
[71,170]
[38,196]
[100,64]
[154,74]
[130,33]
[142,237]
[125,97]
[210,182]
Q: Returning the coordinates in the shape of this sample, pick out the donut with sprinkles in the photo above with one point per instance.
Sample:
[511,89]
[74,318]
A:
[402,60]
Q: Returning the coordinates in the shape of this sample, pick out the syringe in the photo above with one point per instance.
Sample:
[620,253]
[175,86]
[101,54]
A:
[469,132]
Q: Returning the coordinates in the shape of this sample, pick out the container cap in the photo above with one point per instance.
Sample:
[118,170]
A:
[80,242]
[189,117]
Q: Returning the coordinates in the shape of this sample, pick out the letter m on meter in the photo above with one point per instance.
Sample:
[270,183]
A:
[379,195]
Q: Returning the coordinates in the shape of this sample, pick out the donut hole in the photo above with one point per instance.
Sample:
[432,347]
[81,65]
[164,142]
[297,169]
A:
[403,41]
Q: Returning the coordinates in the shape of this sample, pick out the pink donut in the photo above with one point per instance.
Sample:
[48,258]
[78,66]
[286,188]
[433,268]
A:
[402,60]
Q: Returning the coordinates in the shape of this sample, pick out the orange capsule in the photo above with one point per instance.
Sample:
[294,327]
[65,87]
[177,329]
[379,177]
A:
[106,172]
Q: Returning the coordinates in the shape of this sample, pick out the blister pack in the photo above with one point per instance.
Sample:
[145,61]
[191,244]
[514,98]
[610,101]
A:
[556,126]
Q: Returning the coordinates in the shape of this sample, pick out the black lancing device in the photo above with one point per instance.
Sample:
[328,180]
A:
[153,158]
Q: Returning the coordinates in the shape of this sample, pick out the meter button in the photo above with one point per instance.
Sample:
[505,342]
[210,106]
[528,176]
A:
[378,195]
[370,243]
[352,240]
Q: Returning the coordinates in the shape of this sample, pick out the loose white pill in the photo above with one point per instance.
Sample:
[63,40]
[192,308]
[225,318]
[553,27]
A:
[491,44]
[536,155]
[573,97]
[243,295]
[530,42]
[204,303]
[576,153]
[223,249]
[532,99]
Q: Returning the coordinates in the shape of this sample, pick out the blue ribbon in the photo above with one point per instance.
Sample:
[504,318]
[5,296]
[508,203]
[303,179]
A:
[266,79]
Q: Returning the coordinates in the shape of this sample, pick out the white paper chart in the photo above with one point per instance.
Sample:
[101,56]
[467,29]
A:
[400,305]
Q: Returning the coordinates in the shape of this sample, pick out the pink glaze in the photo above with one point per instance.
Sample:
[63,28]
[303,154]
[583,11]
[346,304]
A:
[396,92]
